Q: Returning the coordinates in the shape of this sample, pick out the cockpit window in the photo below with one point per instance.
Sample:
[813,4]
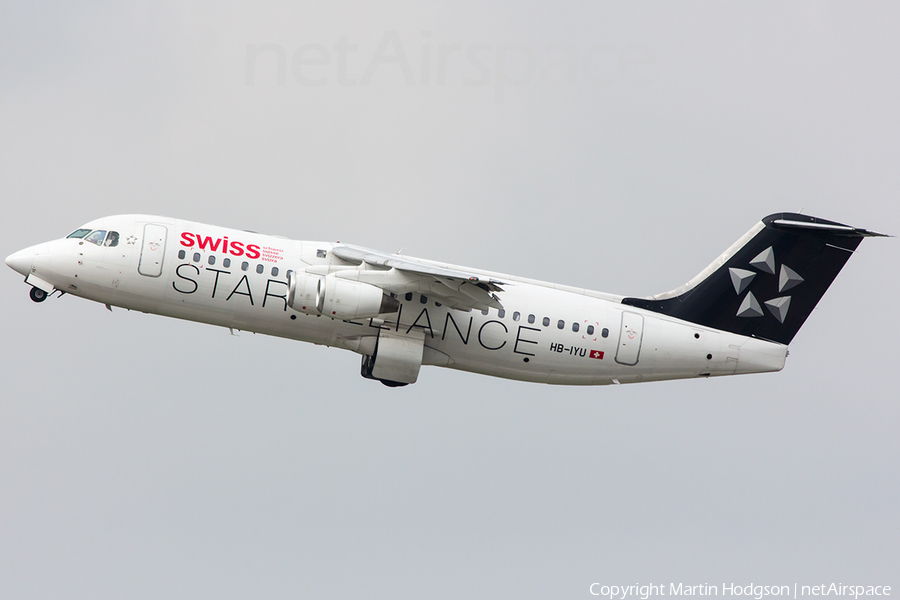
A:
[97,237]
[79,233]
[112,239]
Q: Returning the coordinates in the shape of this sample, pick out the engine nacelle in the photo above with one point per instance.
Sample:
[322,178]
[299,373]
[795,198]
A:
[305,292]
[335,297]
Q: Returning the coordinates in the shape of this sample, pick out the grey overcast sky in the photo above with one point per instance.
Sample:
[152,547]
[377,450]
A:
[619,146]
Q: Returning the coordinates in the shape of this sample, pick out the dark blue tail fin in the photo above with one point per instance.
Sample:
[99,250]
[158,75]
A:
[767,283]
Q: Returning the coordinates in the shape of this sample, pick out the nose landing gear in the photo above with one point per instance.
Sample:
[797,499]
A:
[37,294]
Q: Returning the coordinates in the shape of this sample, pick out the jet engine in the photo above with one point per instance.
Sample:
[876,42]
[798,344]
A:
[335,297]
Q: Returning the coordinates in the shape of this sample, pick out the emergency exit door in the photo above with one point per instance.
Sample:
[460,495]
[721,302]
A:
[630,334]
[152,250]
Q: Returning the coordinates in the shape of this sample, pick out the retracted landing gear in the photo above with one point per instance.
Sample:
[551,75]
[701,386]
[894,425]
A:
[37,294]
[392,383]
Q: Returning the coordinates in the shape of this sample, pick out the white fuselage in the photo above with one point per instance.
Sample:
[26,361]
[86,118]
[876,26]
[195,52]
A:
[545,333]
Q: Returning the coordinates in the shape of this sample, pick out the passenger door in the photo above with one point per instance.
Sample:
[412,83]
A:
[153,249]
[630,334]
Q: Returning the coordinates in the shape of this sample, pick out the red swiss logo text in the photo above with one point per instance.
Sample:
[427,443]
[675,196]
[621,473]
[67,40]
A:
[223,244]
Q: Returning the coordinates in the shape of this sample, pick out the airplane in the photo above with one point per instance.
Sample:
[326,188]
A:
[737,316]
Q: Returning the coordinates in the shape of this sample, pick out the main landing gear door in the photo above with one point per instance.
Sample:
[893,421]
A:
[630,335]
[152,250]
[397,357]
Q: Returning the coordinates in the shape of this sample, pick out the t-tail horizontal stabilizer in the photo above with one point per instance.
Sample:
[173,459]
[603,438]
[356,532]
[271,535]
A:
[768,282]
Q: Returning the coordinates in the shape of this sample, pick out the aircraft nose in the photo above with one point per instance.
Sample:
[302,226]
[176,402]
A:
[21,261]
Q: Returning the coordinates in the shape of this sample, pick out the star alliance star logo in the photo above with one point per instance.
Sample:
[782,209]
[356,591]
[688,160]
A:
[765,263]
[131,240]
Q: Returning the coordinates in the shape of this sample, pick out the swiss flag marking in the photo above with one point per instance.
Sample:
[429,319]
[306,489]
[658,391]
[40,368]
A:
[597,354]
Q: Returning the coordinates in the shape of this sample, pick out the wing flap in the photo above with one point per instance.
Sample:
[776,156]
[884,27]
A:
[400,275]
[358,255]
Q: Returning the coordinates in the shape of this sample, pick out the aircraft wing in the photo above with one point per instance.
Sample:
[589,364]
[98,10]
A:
[401,274]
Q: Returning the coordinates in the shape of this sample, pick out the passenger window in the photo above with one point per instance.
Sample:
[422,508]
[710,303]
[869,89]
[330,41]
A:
[423,299]
[274,271]
[181,255]
[408,296]
[260,269]
[501,313]
[96,237]
[196,257]
[112,239]
[78,233]
[605,332]
[531,319]
[546,321]
[245,265]
[590,330]
[226,262]
[484,312]
[436,303]
[575,327]
[560,324]
[211,260]
[516,316]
